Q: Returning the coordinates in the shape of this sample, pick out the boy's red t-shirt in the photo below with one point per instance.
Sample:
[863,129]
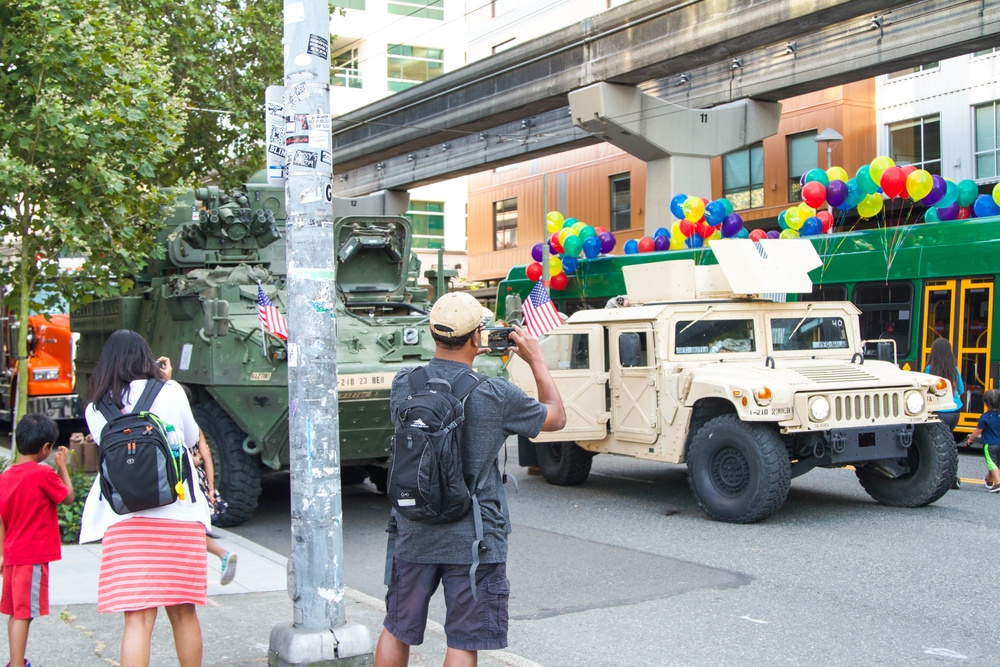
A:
[29,493]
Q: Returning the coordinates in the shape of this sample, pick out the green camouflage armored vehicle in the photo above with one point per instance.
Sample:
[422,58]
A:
[198,306]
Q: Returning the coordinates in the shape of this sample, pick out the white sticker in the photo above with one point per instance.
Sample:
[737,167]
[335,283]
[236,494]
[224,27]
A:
[303,59]
[186,356]
[319,139]
[295,12]
[293,355]
[406,502]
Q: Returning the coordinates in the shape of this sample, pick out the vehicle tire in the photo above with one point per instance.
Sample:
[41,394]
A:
[379,477]
[738,472]
[237,474]
[933,463]
[564,463]
[352,475]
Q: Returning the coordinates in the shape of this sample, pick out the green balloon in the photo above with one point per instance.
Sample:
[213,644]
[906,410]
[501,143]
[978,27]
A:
[950,195]
[967,192]
[729,205]
[930,215]
[587,232]
[572,246]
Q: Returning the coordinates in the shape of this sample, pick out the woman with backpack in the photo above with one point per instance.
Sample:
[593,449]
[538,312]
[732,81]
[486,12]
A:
[153,557]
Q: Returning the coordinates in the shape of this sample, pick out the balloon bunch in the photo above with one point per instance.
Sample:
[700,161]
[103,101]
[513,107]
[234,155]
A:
[569,238]
[699,222]
[962,200]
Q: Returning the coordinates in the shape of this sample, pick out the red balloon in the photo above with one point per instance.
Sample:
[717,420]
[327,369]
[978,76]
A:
[814,194]
[534,271]
[646,244]
[758,234]
[554,243]
[909,169]
[686,227]
[826,218]
[559,282]
[893,181]
[704,230]
[963,213]
[599,230]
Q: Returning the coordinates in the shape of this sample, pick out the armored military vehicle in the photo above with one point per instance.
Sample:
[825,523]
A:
[198,306]
[747,391]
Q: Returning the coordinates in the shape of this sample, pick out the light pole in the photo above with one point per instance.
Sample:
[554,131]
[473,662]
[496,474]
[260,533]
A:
[829,136]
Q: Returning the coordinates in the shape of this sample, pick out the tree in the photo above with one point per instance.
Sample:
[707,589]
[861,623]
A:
[89,120]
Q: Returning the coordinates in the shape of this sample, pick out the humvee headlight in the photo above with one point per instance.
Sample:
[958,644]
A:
[762,395]
[914,402]
[45,374]
[940,388]
[819,409]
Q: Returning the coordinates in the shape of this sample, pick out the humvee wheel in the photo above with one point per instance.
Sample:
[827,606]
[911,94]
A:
[738,472]
[933,463]
[379,476]
[351,475]
[564,463]
[237,474]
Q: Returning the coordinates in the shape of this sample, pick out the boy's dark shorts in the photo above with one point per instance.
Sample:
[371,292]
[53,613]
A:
[470,625]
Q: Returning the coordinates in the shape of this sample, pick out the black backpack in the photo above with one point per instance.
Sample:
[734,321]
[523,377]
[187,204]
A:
[426,482]
[137,467]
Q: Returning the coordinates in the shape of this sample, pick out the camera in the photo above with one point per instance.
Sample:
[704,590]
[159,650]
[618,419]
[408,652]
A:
[497,338]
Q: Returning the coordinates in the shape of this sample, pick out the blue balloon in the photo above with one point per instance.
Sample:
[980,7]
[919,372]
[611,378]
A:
[677,206]
[743,233]
[715,212]
[694,241]
[662,231]
[811,227]
[591,247]
[569,264]
[631,247]
[985,207]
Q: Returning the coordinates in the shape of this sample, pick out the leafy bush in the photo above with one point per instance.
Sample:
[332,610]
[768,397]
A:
[69,515]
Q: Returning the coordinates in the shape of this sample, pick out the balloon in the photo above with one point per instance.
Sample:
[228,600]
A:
[553,221]
[686,227]
[793,218]
[646,244]
[599,230]
[569,264]
[805,211]
[695,241]
[728,204]
[919,184]
[677,205]
[705,230]
[742,234]
[948,212]
[564,234]
[931,215]
[536,252]
[816,176]
[592,247]
[555,245]
[967,192]
[559,282]
[661,242]
[781,220]
[939,187]
[985,206]
[534,271]
[788,234]
[732,225]
[836,193]
[569,222]
[677,242]
[715,212]
[578,227]
[826,219]
[996,193]
[774,234]
[608,241]
[555,265]
[908,169]
[963,213]
[757,235]
[631,247]
[587,232]
[854,194]
[870,206]
[572,246]
[694,209]
[865,181]
[811,227]
[836,174]
[878,167]
[814,193]
[950,196]
[661,231]
[893,181]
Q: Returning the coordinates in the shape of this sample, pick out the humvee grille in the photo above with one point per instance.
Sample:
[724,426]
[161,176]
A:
[867,407]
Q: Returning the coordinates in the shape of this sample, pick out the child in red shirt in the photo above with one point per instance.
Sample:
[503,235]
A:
[29,493]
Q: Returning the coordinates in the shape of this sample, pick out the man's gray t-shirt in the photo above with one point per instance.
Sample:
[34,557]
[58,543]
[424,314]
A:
[494,410]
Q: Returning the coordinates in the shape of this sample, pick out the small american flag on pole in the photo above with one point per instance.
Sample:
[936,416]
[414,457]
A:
[540,316]
[270,318]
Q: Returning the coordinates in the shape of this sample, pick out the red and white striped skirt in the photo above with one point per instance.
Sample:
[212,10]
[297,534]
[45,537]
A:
[147,563]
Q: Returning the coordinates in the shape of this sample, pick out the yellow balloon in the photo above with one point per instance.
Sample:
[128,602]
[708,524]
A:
[676,233]
[837,174]
[555,265]
[564,232]
[578,226]
[919,184]
[677,241]
[870,206]
[694,209]
[716,235]
[805,211]
[878,167]
[793,219]
[552,226]
[555,217]
[788,234]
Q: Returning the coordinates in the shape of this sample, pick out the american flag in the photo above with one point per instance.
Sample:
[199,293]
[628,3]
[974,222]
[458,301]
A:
[540,316]
[268,313]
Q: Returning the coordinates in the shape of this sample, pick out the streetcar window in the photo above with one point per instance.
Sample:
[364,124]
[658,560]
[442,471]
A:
[713,336]
[886,313]
[828,293]
[808,333]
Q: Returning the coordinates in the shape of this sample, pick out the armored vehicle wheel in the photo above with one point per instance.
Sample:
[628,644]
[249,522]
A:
[932,461]
[237,474]
[738,472]
[351,475]
[564,463]
[379,477]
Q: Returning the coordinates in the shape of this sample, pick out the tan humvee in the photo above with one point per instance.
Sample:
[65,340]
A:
[748,392]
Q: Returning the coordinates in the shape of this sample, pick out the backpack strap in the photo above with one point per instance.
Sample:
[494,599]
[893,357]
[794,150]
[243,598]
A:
[148,395]
[418,378]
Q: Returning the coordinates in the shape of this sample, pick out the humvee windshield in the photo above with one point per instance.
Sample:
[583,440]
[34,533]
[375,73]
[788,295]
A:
[712,336]
[810,333]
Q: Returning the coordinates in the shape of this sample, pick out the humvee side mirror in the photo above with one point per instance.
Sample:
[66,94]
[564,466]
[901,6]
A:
[216,317]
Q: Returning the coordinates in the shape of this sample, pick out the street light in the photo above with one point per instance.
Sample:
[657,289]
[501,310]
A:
[829,136]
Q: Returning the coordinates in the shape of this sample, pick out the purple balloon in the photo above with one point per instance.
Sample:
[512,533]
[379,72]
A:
[948,212]
[661,242]
[608,241]
[774,234]
[591,247]
[836,193]
[939,187]
[732,225]
[536,252]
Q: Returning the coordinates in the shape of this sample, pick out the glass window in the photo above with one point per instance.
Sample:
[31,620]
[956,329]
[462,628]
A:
[886,312]
[986,52]
[410,65]
[828,293]
[917,142]
[714,336]
[345,69]
[348,4]
[621,202]
[565,351]
[634,350]
[808,333]
[987,144]
[913,70]
[421,9]
[428,223]
[802,156]
[743,177]
[505,224]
